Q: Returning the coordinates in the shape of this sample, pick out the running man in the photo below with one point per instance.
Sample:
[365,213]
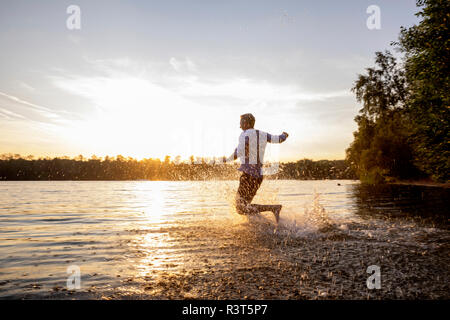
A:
[250,151]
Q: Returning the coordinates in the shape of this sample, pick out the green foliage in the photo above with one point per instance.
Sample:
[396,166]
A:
[383,89]
[403,127]
[427,50]
[381,146]
[307,169]
[374,176]
[14,167]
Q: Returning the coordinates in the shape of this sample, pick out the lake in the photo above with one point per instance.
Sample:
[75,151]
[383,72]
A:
[183,240]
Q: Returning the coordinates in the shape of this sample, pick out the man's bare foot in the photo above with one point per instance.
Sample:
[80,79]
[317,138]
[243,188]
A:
[276,212]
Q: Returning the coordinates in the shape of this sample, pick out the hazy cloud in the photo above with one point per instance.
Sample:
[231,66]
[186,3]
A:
[183,66]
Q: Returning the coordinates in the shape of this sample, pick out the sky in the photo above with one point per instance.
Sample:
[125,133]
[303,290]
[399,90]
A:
[154,78]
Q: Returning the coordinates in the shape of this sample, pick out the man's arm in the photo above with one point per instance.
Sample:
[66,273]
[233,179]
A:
[239,151]
[232,157]
[277,139]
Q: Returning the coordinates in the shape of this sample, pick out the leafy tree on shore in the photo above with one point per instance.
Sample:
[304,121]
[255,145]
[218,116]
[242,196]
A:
[381,146]
[403,127]
[427,65]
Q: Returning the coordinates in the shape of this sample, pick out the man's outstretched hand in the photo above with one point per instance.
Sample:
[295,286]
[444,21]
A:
[286,134]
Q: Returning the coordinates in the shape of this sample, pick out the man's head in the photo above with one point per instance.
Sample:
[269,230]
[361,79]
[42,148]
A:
[247,121]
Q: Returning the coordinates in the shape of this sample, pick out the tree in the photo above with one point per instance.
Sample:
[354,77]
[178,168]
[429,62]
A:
[403,127]
[383,89]
[381,148]
[427,51]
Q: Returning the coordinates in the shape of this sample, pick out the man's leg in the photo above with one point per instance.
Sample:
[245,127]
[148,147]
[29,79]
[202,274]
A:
[248,186]
[251,209]
[257,208]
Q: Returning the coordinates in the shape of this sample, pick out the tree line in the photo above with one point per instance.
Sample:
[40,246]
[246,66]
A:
[403,127]
[16,167]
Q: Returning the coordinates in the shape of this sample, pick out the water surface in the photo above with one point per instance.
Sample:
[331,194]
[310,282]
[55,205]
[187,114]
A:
[156,239]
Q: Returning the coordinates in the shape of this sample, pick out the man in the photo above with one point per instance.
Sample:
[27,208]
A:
[250,151]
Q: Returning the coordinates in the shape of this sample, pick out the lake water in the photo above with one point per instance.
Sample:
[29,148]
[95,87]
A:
[159,240]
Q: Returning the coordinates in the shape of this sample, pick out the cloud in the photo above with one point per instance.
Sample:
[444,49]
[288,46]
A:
[10,115]
[248,89]
[74,39]
[122,84]
[183,66]
[133,102]
[26,86]
[136,89]
[14,108]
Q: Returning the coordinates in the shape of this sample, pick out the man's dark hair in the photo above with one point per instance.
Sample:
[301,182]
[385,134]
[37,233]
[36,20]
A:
[249,119]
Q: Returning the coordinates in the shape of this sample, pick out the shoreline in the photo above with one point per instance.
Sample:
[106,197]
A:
[423,183]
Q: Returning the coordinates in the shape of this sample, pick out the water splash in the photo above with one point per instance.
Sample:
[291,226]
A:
[310,221]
